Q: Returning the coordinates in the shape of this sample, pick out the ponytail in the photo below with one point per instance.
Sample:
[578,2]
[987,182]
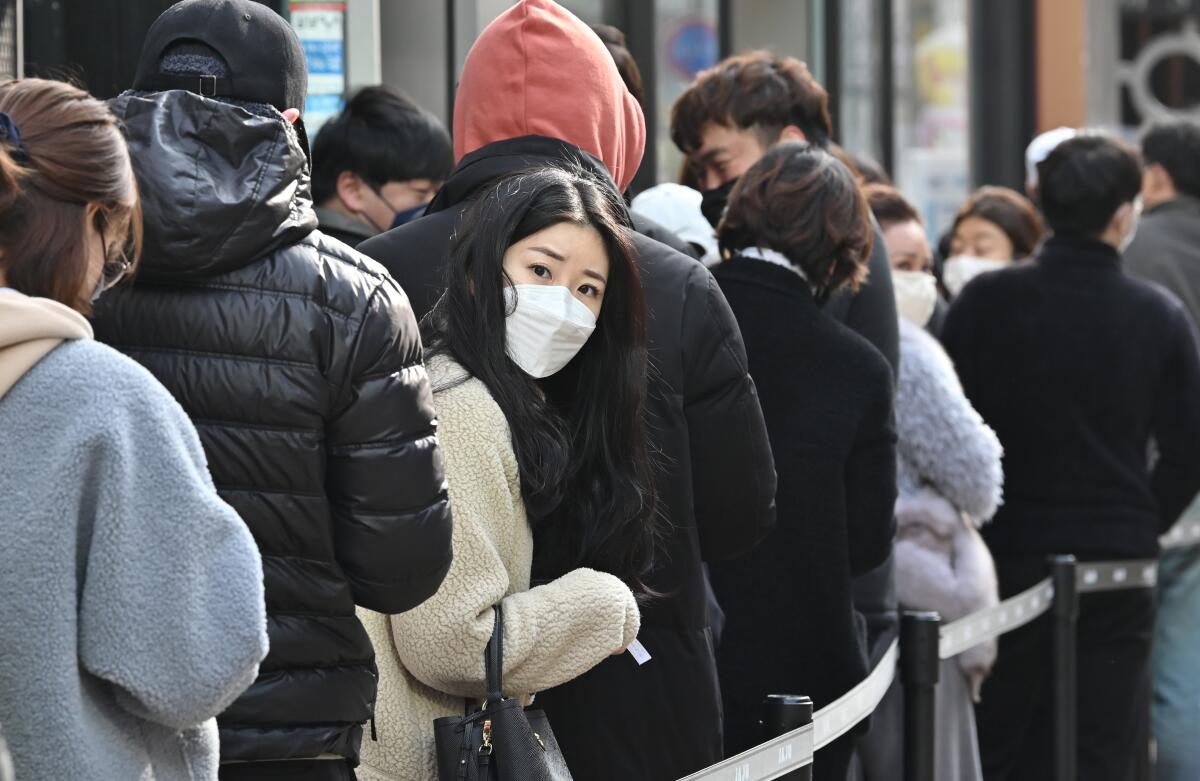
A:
[12,179]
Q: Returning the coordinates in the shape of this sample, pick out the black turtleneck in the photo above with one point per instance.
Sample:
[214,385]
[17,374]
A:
[1079,367]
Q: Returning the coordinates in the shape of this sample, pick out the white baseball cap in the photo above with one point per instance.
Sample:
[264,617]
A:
[1041,147]
[677,208]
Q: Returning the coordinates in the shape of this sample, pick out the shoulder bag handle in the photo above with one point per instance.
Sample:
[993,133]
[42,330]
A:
[494,660]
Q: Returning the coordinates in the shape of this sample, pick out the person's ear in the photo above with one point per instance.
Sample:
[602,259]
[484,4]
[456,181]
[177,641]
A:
[1156,181]
[291,115]
[1121,222]
[792,133]
[350,191]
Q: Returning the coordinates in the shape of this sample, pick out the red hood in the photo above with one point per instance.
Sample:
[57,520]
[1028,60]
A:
[539,71]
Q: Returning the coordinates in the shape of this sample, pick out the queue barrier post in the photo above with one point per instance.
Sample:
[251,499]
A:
[919,664]
[1066,614]
[783,713]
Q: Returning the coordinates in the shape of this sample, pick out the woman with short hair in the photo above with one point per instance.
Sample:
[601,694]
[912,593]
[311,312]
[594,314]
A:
[796,231]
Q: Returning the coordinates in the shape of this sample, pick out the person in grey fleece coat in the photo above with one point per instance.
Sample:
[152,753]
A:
[131,596]
[949,479]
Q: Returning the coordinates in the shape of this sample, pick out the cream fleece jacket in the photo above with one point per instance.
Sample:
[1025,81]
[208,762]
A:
[30,328]
[431,658]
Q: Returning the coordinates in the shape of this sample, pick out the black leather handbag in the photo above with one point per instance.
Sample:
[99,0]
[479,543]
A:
[501,742]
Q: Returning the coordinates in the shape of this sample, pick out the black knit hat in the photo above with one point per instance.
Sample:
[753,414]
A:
[266,61]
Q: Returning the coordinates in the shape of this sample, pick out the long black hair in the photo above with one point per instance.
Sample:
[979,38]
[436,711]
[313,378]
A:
[579,435]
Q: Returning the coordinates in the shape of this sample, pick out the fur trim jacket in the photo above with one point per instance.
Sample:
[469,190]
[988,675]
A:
[950,477]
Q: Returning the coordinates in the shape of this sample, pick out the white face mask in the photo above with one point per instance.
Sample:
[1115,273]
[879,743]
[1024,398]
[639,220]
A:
[916,295]
[546,327]
[1137,218]
[961,269]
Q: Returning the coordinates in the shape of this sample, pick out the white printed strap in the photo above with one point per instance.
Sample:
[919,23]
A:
[777,757]
[1013,612]
[1182,534]
[794,749]
[1113,575]
[841,715]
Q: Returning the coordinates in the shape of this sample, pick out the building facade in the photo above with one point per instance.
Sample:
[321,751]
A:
[944,93]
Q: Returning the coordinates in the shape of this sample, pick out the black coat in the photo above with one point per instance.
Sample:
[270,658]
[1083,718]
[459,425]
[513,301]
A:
[1077,367]
[871,310]
[299,361]
[827,397]
[716,481]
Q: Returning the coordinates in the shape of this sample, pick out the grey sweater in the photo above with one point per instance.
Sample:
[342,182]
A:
[131,598]
[1166,250]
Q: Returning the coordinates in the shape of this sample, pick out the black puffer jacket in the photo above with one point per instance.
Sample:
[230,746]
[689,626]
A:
[716,481]
[300,363]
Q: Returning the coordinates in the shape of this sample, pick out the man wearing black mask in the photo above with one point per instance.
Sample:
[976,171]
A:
[730,116]
[377,165]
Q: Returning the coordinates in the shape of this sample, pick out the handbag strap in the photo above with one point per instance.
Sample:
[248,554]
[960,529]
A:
[493,657]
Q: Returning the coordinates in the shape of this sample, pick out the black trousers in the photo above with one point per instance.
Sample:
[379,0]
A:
[288,770]
[1015,716]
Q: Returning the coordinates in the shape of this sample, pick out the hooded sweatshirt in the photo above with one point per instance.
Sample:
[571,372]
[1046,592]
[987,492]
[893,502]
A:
[30,328]
[530,57]
[131,598]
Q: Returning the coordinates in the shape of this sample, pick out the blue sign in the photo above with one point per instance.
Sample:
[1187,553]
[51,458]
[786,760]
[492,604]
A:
[693,47]
[324,57]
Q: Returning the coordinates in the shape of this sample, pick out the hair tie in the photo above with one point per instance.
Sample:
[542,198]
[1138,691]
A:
[10,133]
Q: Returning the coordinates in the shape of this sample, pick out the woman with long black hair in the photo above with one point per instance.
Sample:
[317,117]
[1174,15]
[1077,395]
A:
[538,360]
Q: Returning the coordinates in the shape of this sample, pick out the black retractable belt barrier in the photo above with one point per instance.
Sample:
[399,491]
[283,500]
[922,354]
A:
[919,639]
[783,713]
[1066,614]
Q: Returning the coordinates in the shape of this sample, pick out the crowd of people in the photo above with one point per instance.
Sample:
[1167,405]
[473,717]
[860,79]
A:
[312,451]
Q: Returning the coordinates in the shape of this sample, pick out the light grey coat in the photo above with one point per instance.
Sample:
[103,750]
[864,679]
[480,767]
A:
[950,479]
[131,598]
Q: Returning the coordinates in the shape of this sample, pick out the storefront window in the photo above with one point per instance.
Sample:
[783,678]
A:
[858,117]
[932,127]
[9,56]
[687,44]
[1160,61]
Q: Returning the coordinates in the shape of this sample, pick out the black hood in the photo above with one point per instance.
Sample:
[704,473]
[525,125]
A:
[501,158]
[220,186]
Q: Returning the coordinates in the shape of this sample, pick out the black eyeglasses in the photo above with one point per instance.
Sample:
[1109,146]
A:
[114,268]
